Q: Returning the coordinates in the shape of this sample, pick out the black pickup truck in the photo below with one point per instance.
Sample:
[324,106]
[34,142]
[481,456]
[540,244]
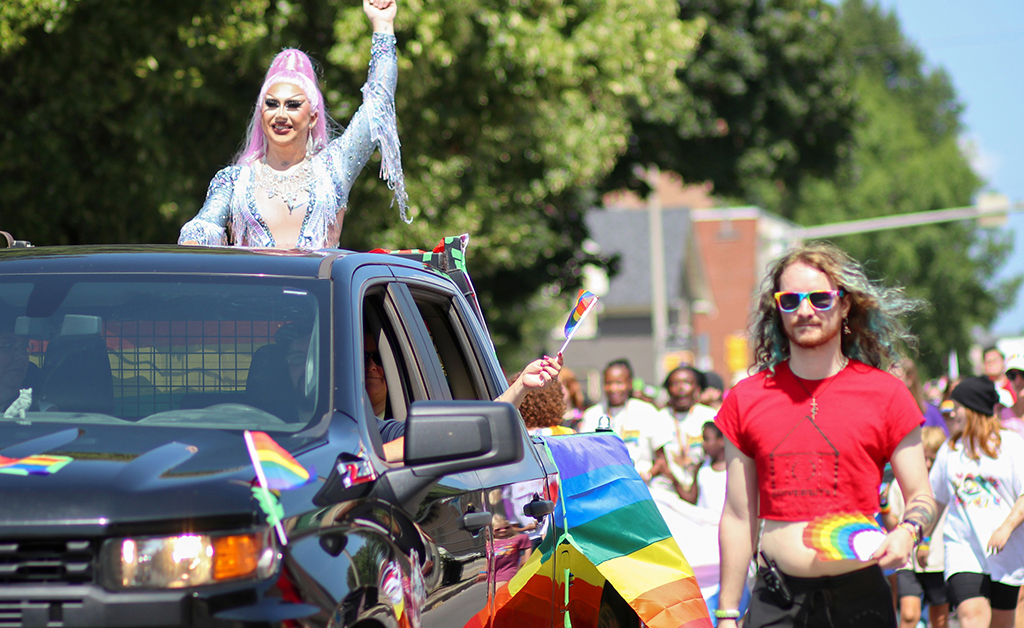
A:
[126,487]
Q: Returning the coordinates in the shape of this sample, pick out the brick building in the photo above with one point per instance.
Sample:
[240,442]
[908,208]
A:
[714,259]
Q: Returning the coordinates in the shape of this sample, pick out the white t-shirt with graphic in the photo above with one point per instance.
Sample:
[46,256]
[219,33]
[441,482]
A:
[980,494]
[642,427]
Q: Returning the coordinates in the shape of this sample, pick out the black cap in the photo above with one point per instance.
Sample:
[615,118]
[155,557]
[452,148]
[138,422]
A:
[978,394]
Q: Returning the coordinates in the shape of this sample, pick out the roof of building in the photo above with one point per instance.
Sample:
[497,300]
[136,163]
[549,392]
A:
[625,232]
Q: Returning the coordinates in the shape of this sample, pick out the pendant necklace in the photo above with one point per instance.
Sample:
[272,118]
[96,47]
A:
[814,398]
[289,186]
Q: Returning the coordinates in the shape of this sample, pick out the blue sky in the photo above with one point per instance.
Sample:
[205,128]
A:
[980,44]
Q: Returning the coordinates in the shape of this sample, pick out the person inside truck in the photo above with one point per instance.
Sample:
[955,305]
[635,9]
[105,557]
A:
[392,431]
[16,371]
[536,375]
[288,187]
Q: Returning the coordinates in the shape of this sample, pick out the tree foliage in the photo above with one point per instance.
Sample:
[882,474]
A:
[906,158]
[767,102]
[509,111]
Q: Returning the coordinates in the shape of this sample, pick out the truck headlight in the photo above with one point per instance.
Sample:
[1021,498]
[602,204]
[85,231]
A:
[188,560]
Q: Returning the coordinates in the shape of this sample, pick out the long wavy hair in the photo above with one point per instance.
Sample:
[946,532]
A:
[878,335]
[980,433]
[294,67]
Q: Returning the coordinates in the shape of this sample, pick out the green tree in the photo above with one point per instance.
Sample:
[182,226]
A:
[17,16]
[509,111]
[122,117]
[906,158]
[767,102]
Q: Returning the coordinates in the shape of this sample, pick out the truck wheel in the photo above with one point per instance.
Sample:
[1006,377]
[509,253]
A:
[614,612]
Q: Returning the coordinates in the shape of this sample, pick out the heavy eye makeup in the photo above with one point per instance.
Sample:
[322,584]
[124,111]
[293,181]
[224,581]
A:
[291,105]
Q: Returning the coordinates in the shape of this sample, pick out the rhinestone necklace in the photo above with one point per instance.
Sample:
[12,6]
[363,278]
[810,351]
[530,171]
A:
[289,186]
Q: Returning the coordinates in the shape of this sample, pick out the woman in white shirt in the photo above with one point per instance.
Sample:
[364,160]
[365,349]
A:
[980,475]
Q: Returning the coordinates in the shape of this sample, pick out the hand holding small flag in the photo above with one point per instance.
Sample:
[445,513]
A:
[584,303]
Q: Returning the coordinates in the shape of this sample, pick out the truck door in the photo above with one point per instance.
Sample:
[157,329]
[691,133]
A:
[453,520]
[471,372]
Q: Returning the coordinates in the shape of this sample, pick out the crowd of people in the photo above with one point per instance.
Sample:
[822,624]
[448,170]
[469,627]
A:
[834,418]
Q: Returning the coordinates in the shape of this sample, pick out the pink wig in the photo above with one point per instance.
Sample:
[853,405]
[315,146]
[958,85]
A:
[293,67]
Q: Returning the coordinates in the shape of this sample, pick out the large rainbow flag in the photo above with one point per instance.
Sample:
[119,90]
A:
[607,531]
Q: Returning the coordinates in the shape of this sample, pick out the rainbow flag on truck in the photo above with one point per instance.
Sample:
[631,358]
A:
[608,532]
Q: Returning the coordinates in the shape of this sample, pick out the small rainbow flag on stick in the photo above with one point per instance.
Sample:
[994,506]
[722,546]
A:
[275,469]
[584,303]
[839,536]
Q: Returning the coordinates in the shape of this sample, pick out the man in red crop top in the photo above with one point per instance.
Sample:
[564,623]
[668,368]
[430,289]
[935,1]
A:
[807,438]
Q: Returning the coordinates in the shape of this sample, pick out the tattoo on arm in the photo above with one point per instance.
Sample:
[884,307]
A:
[923,510]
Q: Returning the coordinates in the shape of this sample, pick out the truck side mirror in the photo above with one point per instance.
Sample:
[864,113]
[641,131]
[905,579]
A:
[445,437]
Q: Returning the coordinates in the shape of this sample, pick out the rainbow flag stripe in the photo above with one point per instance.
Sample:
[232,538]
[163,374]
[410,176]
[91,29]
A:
[839,536]
[280,468]
[583,301]
[609,531]
[39,464]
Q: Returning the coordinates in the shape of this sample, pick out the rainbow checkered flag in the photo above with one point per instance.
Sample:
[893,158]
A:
[584,303]
[277,470]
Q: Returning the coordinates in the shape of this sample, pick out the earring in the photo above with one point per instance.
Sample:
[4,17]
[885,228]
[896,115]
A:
[846,326]
[309,144]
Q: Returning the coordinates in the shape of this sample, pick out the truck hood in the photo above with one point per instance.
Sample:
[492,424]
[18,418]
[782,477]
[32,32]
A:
[118,476]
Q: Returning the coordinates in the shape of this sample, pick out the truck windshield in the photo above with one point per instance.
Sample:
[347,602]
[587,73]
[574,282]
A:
[244,353]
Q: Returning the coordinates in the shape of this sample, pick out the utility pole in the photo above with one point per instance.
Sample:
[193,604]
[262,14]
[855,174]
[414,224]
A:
[659,297]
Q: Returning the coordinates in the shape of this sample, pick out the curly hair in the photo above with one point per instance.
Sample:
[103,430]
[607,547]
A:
[878,335]
[542,407]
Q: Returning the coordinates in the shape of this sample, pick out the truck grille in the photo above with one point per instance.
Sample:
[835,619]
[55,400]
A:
[49,613]
[37,561]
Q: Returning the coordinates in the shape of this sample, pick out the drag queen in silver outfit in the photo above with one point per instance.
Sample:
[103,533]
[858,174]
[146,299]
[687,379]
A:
[289,186]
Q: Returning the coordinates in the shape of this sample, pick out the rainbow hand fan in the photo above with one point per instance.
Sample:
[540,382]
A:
[848,535]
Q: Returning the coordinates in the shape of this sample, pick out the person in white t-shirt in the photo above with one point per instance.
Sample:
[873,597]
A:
[644,429]
[980,475]
[707,488]
[684,385]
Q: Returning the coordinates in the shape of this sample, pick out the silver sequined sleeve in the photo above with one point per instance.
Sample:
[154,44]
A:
[374,125]
[209,227]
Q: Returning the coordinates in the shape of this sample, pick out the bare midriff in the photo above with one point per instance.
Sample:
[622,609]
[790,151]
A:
[783,542]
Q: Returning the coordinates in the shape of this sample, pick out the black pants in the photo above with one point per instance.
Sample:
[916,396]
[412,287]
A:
[859,599]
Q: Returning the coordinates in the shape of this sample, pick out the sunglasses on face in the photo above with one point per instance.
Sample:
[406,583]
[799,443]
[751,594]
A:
[371,357]
[821,300]
[1013,375]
